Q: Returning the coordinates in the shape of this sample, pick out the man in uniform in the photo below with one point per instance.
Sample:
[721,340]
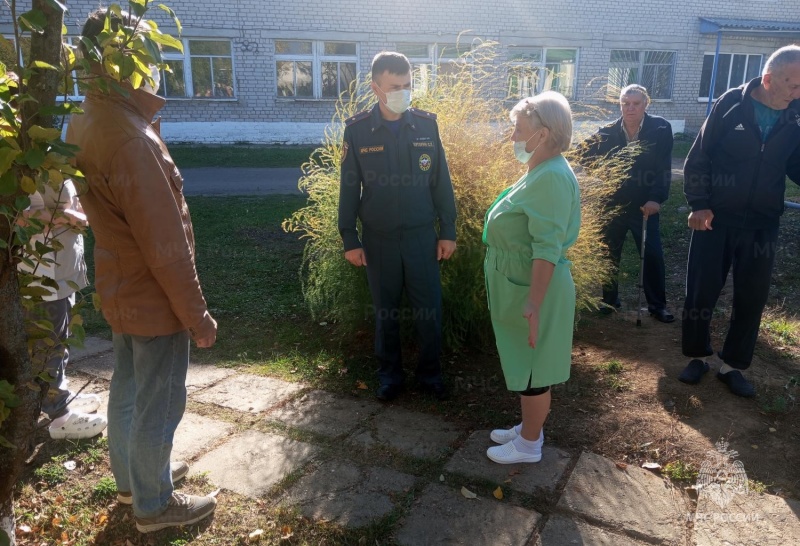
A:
[395,179]
[734,181]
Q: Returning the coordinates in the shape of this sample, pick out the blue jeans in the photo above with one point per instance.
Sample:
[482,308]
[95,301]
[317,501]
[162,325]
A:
[56,356]
[145,405]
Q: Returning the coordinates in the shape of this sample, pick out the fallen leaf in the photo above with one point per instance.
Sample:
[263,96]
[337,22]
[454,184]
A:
[255,536]
[361,385]
[773,429]
[286,532]
[102,519]
[24,529]
[622,466]
[323,323]
[754,446]
[467,493]
[441,477]
[507,481]
[651,466]
[64,536]
[59,499]
[498,493]
[56,522]
[514,472]
[129,543]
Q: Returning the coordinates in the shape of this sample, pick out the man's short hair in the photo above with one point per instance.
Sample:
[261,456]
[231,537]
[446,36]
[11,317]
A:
[635,88]
[391,62]
[784,56]
[96,22]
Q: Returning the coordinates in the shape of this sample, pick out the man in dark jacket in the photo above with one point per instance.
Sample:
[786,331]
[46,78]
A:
[640,194]
[734,181]
[396,181]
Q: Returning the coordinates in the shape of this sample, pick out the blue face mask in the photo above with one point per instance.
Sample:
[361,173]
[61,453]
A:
[519,149]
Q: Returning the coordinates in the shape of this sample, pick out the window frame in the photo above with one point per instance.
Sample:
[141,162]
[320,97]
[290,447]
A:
[539,70]
[642,55]
[705,99]
[317,58]
[433,61]
[188,77]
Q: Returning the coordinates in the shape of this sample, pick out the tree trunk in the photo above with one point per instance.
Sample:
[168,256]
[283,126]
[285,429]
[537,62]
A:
[15,365]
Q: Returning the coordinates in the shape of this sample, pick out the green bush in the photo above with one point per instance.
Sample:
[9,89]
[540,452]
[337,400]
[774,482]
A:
[473,122]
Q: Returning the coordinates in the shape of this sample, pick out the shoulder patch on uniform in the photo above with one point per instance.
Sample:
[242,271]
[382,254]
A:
[358,117]
[422,113]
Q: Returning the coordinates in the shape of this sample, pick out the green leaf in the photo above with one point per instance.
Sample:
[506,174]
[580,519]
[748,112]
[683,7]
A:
[7,157]
[33,158]
[174,17]
[27,184]
[37,132]
[63,109]
[44,65]
[96,301]
[166,39]
[8,183]
[4,540]
[34,21]
[78,332]
[3,244]
[7,395]
[138,7]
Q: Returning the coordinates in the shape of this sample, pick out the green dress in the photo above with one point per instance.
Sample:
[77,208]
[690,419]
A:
[537,218]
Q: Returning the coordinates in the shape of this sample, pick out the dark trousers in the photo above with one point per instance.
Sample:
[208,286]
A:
[407,261]
[751,254]
[614,236]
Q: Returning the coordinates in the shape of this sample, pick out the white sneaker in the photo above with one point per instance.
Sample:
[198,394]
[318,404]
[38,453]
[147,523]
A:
[503,436]
[79,426]
[508,454]
[85,403]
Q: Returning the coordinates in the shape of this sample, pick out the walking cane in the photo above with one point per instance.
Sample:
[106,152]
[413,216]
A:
[641,271]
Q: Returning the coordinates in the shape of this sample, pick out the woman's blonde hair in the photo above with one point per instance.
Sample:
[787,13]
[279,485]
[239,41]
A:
[553,111]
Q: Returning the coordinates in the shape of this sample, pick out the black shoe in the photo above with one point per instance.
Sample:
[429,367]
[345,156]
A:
[387,393]
[662,315]
[438,390]
[737,383]
[693,372]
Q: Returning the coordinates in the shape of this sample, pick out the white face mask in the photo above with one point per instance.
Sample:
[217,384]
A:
[398,101]
[519,149]
[155,73]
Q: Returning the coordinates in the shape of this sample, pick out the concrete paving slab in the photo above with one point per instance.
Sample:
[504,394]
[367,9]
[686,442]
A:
[416,434]
[324,413]
[633,499]
[443,516]
[201,376]
[195,434]
[91,346]
[253,462]
[246,392]
[346,494]
[560,531]
[98,365]
[751,520]
[471,460]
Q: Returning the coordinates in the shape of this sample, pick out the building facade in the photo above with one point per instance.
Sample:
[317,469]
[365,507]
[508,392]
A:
[270,72]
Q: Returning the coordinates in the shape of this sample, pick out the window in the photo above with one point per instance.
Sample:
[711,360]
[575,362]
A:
[314,69]
[651,69]
[732,71]
[203,70]
[429,61]
[8,54]
[535,69]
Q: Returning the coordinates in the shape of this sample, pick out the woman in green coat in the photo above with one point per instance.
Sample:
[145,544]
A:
[531,294]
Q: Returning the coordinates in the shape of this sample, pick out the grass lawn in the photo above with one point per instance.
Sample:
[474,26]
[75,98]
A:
[189,156]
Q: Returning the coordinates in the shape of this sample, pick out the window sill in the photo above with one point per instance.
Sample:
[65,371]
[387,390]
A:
[202,99]
[303,99]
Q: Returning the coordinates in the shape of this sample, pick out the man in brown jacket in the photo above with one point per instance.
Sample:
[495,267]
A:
[150,294]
